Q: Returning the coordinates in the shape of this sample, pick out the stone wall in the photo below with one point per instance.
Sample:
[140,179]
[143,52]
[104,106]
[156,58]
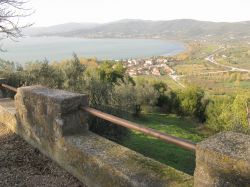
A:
[51,121]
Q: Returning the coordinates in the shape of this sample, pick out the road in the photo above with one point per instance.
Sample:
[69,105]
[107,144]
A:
[174,76]
[211,59]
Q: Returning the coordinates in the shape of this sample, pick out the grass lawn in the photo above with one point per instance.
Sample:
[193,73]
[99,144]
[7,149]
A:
[165,78]
[166,153]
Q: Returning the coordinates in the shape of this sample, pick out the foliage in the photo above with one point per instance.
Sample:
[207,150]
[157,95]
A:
[170,103]
[43,74]
[12,72]
[146,93]
[228,113]
[112,91]
[110,72]
[73,72]
[191,102]
[72,75]
[187,102]
[124,97]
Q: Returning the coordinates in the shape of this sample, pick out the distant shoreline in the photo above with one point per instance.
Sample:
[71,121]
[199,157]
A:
[59,48]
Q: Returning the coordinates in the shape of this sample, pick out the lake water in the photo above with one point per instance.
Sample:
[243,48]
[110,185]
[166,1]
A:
[58,48]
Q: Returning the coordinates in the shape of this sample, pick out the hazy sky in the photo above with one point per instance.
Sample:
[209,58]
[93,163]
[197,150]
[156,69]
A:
[50,12]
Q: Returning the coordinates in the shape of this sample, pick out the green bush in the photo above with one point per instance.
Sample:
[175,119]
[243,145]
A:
[192,102]
[228,113]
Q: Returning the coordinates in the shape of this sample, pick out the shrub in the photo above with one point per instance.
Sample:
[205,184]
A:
[228,113]
[192,102]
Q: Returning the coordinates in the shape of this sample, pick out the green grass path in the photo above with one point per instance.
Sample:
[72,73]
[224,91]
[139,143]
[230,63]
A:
[166,153]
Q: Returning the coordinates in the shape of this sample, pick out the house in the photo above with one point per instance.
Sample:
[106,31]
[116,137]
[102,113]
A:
[156,72]
[135,62]
[132,72]
[149,62]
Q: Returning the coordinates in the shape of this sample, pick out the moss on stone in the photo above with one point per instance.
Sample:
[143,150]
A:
[223,160]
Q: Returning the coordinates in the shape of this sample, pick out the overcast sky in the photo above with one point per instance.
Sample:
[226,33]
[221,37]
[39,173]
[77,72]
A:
[51,12]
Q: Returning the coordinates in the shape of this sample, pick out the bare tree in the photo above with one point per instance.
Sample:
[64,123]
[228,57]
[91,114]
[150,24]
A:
[11,12]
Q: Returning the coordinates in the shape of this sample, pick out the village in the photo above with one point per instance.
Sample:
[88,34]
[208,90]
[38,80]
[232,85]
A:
[156,66]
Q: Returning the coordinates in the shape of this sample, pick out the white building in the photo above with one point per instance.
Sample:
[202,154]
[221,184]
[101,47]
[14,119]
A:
[149,62]
[156,72]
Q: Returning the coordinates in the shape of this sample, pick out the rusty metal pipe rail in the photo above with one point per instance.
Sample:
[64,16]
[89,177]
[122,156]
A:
[148,131]
[185,144]
[8,87]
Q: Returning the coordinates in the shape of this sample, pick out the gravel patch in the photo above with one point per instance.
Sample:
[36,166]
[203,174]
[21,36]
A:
[22,165]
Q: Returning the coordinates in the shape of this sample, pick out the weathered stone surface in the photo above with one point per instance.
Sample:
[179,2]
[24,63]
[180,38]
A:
[223,160]
[49,113]
[8,113]
[99,162]
[51,121]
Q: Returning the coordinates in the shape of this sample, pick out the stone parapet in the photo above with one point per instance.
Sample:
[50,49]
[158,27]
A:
[223,160]
[51,121]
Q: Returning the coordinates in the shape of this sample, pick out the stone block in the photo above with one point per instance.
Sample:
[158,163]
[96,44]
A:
[223,160]
[97,161]
[46,115]
[8,113]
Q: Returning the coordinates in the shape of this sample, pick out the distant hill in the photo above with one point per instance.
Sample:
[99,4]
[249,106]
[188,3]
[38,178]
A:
[58,29]
[129,28]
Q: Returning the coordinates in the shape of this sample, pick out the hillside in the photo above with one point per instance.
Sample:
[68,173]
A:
[58,29]
[182,29]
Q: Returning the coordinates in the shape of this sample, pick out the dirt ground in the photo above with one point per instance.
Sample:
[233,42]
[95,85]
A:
[22,165]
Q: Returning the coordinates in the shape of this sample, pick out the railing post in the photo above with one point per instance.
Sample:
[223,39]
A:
[2,81]
[223,160]
[46,116]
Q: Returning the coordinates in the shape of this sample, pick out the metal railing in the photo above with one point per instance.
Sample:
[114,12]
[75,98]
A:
[148,131]
[185,144]
[8,87]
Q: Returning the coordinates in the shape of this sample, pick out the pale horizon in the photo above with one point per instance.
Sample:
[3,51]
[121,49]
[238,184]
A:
[136,19]
[48,13]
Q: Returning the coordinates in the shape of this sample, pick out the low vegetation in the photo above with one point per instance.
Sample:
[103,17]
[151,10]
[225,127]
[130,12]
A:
[166,153]
[111,90]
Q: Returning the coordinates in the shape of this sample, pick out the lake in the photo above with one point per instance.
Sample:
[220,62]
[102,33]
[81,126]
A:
[58,48]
